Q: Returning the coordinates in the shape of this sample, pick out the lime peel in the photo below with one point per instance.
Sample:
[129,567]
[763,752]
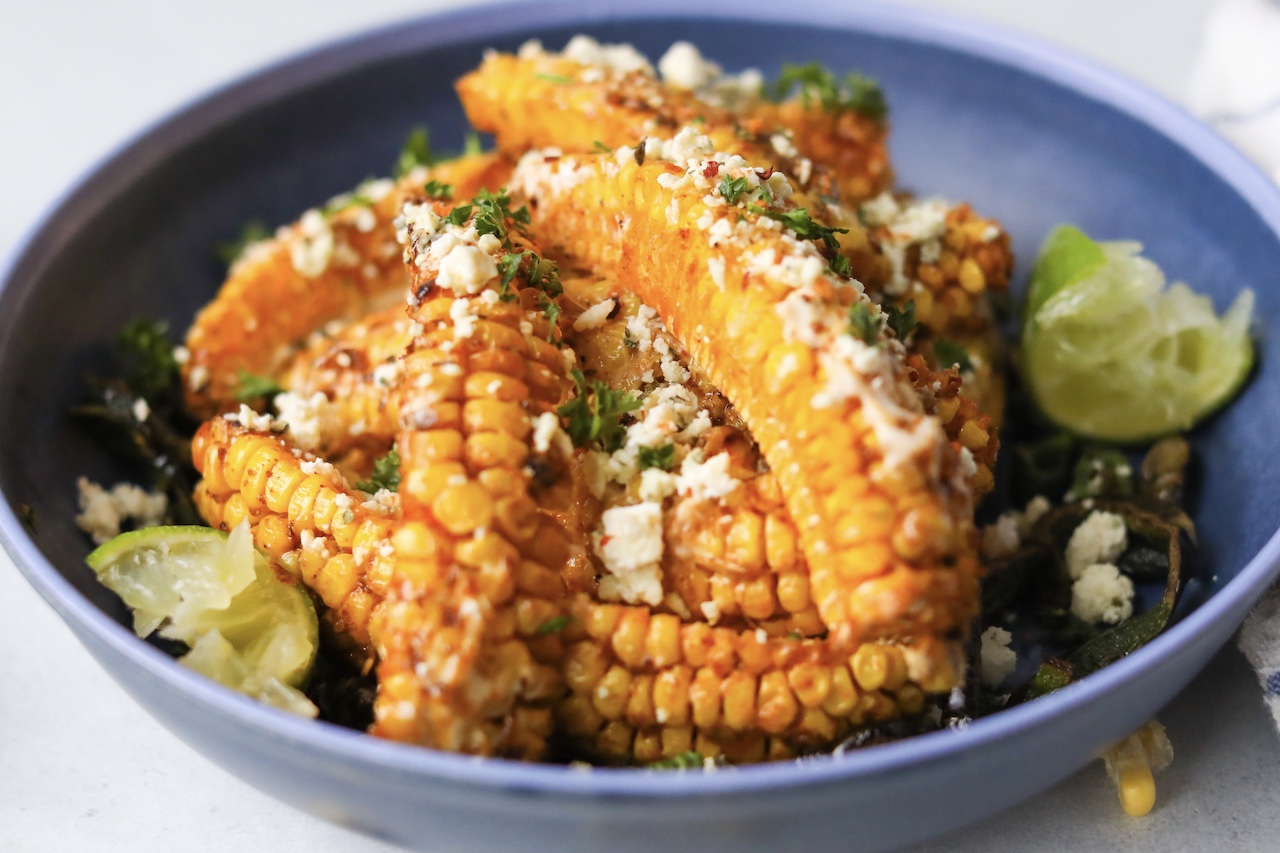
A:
[1110,352]
[246,627]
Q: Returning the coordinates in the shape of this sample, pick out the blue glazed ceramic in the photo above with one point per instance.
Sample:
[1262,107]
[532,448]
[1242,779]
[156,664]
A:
[1028,134]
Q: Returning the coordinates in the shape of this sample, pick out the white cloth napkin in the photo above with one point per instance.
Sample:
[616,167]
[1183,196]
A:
[1235,87]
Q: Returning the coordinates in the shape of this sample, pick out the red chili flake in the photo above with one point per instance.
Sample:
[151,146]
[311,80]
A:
[712,169]
[765,174]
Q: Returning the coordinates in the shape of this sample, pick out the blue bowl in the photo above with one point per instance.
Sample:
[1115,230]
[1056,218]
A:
[1026,133]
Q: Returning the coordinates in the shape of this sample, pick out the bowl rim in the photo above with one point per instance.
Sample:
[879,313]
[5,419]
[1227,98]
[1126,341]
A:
[986,41]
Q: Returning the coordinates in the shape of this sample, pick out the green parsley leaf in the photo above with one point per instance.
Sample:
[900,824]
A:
[438,191]
[250,387]
[601,147]
[691,760]
[492,212]
[840,265]
[415,152]
[901,321]
[253,231]
[731,189]
[950,353]
[386,474]
[595,414]
[555,78]
[155,367]
[459,215]
[863,325]
[471,144]
[658,457]
[542,274]
[554,625]
[802,224]
[857,92]
[552,310]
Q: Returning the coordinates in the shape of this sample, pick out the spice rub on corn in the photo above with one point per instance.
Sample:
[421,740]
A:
[335,262]
[488,523]
[745,282]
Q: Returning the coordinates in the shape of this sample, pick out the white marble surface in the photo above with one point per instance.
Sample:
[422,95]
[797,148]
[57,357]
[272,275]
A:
[83,768]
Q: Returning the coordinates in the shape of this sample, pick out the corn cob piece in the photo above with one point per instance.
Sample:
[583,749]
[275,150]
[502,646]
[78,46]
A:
[331,264]
[489,503]
[643,686]
[303,515]
[835,415]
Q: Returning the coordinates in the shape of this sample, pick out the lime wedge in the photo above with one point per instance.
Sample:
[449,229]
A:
[247,627]
[1110,352]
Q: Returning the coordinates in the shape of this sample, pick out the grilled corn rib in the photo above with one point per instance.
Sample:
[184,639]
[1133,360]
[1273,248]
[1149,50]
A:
[302,514]
[331,264]
[488,512]
[643,686]
[904,562]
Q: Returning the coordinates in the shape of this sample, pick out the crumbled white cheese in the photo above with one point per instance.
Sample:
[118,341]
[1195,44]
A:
[683,67]
[141,411]
[102,511]
[1100,538]
[386,374]
[464,318]
[312,246]
[997,660]
[466,270]
[1102,594]
[656,485]
[710,610]
[548,433]
[249,419]
[630,545]
[595,316]
[1002,538]
[622,58]
[709,480]
[312,421]
[715,268]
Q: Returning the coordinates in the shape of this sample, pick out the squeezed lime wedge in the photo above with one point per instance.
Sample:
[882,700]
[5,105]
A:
[247,627]
[1110,352]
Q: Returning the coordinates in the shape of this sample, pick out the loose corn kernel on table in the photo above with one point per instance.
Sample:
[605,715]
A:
[84,768]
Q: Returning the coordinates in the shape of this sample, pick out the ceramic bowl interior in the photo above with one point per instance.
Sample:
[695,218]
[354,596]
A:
[1024,133]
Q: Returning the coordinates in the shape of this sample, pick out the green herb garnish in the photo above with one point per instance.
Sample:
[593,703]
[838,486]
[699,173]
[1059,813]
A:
[471,144]
[155,367]
[691,760]
[438,191]
[596,413]
[250,387]
[857,92]
[657,457]
[901,321]
[802,224]
[555,78]
[731,189]
[386,474]
[840,265]
[601,147]
[950,354]
[863,325]
[253,231]
[554,625]
[415,152]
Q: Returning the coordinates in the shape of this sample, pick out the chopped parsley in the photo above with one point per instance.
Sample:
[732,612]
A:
[552,310]
[857,92]
[901,321]
[253,231]
[541,273]
[691,760]
[415,152]
[731,189]
[250,387]
[555,78]
[154,367]
[601,147]
[950,354]
[471,144]
[863,325]
[438,191]
[386,474]
[493,210]
[802,224]
[596,413]
[840,265]
[459,215]
[657,457]
[554,625]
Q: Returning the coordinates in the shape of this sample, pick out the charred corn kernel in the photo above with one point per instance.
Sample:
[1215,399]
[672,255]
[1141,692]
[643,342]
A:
[314,516]
[843,455]
[322,268]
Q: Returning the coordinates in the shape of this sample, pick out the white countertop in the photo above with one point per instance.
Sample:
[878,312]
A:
[82,768]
